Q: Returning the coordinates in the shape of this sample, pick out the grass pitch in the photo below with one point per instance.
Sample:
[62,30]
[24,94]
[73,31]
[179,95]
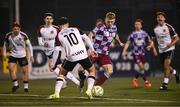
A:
[118,92]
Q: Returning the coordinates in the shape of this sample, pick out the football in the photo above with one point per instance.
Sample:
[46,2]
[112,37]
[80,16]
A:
[97,91]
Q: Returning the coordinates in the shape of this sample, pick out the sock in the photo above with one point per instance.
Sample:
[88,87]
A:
[58,85]
[90,82]
[144,78]
[26,85]
[137,75]
[82,75]
[56,71]
[73,78]
[166,80]
[15,82]
[102,79]
[174,71]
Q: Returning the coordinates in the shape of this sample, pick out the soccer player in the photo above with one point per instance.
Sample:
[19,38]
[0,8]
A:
[166,38]
[103,34]
[72,41]
[16,42]
[141,42]
[46,38]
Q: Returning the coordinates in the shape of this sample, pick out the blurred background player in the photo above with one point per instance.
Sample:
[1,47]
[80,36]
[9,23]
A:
[46,38]
[139,40]
[71,40]
[166,38]
[103,34]
[16,42]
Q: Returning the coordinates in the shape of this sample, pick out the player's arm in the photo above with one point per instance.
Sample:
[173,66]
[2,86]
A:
[91,35]
[91,50]
[30,48]
[150,42]
[126,46]
[40,38]
[88,41]
[4,49]
[175,39]
[118,40]
[154,50]
[174,36]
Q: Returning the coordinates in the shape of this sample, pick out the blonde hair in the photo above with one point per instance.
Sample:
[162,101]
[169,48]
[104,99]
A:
[110,15]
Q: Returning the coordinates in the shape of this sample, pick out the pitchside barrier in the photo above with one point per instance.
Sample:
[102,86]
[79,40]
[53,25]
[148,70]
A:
[40,70]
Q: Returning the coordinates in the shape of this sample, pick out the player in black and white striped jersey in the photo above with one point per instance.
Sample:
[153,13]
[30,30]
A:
[46,38]
[166,38]
[16,42]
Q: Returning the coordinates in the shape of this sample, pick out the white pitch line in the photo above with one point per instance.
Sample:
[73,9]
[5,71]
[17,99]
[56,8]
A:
[108,99]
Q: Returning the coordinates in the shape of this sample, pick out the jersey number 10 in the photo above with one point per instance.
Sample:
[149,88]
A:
[72,39]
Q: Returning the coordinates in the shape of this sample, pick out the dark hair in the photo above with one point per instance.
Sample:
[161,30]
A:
[160,13]
[99,20]
[48,14]
[63,20]
[110,15]
[15,24]
[139,20]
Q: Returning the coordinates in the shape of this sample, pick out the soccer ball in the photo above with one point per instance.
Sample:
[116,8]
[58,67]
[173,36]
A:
[97,91]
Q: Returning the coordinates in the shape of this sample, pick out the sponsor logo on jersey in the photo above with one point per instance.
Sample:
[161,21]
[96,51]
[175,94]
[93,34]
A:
[78,53]
[52,32]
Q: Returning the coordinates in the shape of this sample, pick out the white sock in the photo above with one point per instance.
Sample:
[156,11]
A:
[58,85]
[15,83]
[26,85]
[56,71]
[90,82]
[73,78]
[106,74]
[174,71]
[166,80]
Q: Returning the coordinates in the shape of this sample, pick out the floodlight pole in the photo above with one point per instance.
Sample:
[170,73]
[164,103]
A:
[17,13]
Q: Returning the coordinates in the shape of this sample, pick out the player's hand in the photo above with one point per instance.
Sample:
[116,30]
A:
[46,45]
[51,66]
[169,45]
[32,59]
[92,53]
[123,55]
[148,48]
[122,44]
[4,57]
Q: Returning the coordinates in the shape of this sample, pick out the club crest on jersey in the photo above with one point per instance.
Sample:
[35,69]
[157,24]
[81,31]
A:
[52,32]
[164,30]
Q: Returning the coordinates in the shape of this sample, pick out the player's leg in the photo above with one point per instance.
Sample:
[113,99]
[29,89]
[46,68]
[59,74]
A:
[82,77]
[86,64]
[66,66]
[147,83]
[108,67]
[24,64]
[166,61]
[50,63]
[11,65]
[173,71]
[108,70]
[57,67]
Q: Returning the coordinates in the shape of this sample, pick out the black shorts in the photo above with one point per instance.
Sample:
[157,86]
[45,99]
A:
[50,56]
[58,60]
[69,66]
[166,55]
[22,61]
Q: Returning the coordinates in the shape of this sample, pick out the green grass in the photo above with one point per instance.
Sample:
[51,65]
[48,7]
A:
[118,92]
